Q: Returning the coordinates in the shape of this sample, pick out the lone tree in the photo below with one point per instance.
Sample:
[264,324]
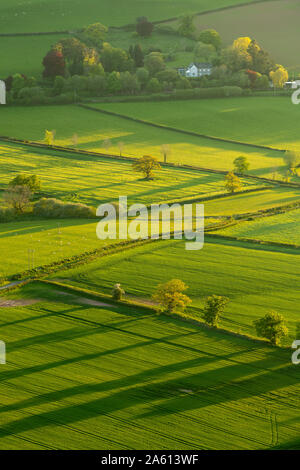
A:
[144,28]
[292,160]
[18,198]
[165,151]
[241,164]
[214,307]
[118,292]
[49,137]
[32,182]
[146,165]
[271,326]
[232,182]
[170,296]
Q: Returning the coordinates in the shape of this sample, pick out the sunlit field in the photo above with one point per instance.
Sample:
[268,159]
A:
[86,377]
[94,128]
[254,278]
[39,16]
[271,121]
[283,228]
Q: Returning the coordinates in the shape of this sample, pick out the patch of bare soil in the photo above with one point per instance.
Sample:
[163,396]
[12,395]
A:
[84,300]
[18,303]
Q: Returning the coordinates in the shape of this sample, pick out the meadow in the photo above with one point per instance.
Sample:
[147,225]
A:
[81,377]
[39,242]
[94,128]
[271,121]
[256,279]
[283,228]
[94,180]
[41,16]
[35,47]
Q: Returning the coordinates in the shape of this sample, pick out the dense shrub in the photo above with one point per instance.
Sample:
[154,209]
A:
[54,208]
[7,215]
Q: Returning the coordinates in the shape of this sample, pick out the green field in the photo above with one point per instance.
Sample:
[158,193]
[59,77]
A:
[248,203]
[283,228]
[54,15]
[93,128]
[271,121]
[95,180]
[256,279]
[15,53]
[84,377]
[39,242]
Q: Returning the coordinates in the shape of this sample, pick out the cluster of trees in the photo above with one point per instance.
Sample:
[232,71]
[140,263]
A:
[18,201]
[171,298]
[245,63]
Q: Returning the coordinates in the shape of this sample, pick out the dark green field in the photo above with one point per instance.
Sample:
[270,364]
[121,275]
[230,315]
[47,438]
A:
[81,377]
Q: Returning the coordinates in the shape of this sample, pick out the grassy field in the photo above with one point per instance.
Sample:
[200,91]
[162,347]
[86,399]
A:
[39,242]
[283,228]
[41,15]
[270,121]
[25,55]
[95,180]
[256,279]
[84,377]
[93,128]
[245,203]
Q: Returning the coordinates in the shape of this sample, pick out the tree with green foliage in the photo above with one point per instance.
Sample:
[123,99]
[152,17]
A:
[95,33]
[142,75]
[170,296]
[117,292]
[292,160]
[210,36]
[146,165]
[154,63]
[136,52]
[214,307]
[272,327]
[153,86]
[32,182]
[186,26]
[114,84]
[17,197]
[115,59]
[232,182]
[241,164]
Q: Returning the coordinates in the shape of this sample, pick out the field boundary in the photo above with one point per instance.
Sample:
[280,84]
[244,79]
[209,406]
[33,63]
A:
[151,309]
[181,131]
[76,151]
[253,241]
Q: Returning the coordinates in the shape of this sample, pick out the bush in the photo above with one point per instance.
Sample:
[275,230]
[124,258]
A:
[7,215]
[272,327]
[54,208]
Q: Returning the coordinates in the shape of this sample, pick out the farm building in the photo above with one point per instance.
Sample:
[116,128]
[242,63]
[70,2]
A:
[196,70]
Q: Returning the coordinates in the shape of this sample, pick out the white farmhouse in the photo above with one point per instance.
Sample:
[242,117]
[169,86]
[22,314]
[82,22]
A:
[196,70]
[2,92]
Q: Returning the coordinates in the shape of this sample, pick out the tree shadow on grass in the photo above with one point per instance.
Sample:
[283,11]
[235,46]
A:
[214,387]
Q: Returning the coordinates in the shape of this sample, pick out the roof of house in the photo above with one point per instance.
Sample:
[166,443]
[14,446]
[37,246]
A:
[201,65]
